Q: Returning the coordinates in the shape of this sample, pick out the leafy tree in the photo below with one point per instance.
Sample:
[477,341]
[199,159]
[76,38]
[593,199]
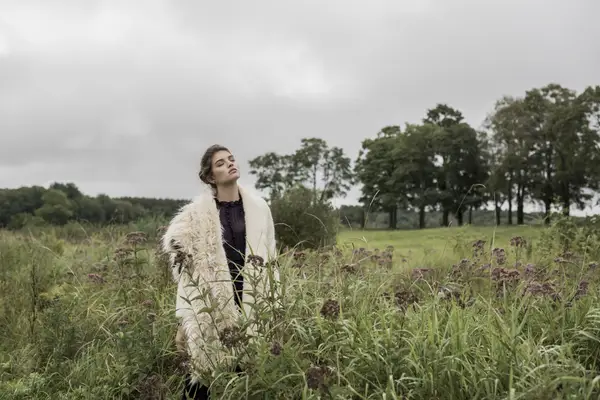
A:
[327,171]
[57,208]
[510,124]
[462,164]
[376,168]
[274,173]
[566,144]
[415,172]
[302,223]
[444,117]
[314,160]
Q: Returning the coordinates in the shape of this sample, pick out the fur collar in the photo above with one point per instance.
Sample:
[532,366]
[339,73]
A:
[205,302]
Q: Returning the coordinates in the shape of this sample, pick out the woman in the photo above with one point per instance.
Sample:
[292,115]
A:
[215,241]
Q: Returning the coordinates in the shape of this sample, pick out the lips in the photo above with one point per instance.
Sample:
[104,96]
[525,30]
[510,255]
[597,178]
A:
[232,171]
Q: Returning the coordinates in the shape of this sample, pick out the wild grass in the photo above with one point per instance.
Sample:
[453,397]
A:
[454,313]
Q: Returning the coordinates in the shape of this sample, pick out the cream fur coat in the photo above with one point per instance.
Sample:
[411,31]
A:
[205,303]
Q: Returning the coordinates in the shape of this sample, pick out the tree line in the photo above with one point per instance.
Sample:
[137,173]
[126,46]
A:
[542,147]
[64,202]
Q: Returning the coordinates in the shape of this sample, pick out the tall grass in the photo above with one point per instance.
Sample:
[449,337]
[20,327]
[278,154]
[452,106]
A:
[88,314]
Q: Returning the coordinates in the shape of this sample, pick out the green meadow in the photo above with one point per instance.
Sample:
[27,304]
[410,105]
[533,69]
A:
[448,313]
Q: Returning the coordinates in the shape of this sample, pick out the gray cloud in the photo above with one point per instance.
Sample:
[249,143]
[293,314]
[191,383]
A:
[122,97]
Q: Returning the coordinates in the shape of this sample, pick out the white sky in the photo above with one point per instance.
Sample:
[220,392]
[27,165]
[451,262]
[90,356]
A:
[122,97]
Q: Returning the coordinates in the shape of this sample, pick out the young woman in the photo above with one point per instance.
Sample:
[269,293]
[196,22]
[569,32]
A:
[213,242]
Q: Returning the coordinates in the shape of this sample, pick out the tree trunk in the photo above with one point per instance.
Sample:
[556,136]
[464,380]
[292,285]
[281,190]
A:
[510,216]
[445,217]
[547,210]
[497,208]
[520,201]
[393,218]
[565,199]
[470,215]
[566,205]
[422,217]
[459,217]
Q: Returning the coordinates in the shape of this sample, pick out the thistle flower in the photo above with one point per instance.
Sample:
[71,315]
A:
[276,348]
[500,255]
[582,289]
[330,309]
[349,268]
[529,269]
[419,273]
[404,298]
[231,337]
[255,260]
[122,253]
[518,241]
[135,238]
[315,377]
[96,278]
[147,303]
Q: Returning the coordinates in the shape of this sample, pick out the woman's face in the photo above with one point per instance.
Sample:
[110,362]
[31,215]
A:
[224,168]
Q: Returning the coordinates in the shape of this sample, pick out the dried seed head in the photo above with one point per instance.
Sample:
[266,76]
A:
[518,241]
[147,303]
[582,289]
[257,261]
[330,309]
[315,377]
[96,278]
[231,337]
[276,348]
[349,268]
[135,238]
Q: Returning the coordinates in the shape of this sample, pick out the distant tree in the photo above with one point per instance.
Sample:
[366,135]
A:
[376,169]
[415,171]
[326,171]
[566,144]
[274,173]
[315,161]
[57,208]
[70,189]
[445,117]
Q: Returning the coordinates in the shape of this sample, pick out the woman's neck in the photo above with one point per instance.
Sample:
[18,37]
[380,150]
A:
[228,193]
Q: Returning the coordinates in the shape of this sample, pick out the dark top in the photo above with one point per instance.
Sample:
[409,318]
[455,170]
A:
[234,241]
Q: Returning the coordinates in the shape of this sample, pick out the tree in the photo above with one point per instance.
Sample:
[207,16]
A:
[415,169]
[510,124]
[57,208]
[326,171]
[566,144]
[376,168]
[444,117]
[274,173]
[462,165]
[314,160]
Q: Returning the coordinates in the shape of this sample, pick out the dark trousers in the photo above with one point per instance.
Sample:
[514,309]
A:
[197,391]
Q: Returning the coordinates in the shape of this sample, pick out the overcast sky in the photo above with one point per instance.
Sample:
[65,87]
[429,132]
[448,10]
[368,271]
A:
[122,97]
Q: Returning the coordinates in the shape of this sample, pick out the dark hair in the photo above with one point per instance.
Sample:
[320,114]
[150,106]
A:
[206,163]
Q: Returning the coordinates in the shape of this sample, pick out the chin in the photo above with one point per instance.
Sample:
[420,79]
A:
[233,178]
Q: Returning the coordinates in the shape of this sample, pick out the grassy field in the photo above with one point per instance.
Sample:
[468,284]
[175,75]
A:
[454,313]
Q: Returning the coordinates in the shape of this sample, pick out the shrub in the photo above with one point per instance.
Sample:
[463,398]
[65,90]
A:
[302,222]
